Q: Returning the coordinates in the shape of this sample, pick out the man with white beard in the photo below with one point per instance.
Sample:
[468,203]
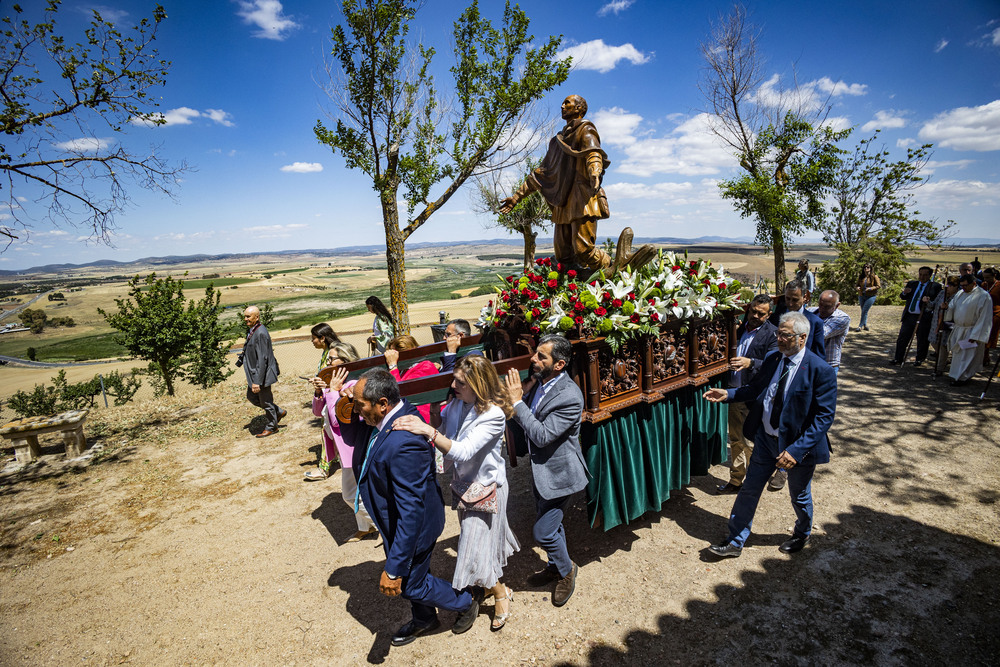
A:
[972,312]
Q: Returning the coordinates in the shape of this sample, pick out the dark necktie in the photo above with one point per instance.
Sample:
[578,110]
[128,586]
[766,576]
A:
[779,396]
[915,302]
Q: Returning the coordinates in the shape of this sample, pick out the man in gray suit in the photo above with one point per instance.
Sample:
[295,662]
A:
[261,369]
[546,425]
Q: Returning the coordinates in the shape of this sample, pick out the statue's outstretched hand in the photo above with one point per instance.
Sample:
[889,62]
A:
[507,205]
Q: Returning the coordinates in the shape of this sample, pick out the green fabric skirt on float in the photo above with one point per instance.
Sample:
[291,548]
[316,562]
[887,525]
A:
[642,453]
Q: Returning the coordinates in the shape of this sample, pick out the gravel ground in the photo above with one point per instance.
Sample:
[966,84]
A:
[182,540]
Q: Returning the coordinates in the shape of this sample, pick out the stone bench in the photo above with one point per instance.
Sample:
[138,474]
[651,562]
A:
[24,434]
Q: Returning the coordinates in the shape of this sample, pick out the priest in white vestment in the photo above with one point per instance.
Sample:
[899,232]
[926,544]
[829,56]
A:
[972,312]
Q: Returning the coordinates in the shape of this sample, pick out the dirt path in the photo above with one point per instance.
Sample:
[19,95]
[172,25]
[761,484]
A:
[187,541]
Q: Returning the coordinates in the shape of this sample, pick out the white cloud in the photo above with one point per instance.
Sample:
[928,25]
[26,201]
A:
[810,96]
[837,123]
[885,120]
[965,128]
[272,231]
[615,7]
[302,167]
[616,126]
[84,145]
[109,14]
[219,116]
[596,55]
[940,46]
[905,143]
[952,194]
[617,191]
[995,37]
[266,15]
[936,164]
[690,149]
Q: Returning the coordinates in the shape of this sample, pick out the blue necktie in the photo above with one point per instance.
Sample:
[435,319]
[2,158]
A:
[779,396]
[364,469]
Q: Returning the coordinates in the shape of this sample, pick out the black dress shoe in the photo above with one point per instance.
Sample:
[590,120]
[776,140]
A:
[729,487]
[726,550]
[468,617]
[896,363]
[793,545]
[544,577]
[918,364]
[958,383]
[411,631]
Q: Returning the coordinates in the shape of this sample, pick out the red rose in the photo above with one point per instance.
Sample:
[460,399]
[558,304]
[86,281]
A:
[617,303]
[694,263]
[593,283]
[578,305]
[535,330]
[548,261]
[532,294]
[490,304]
[706,281]
[559,267]
[535,312]
[552,283]
[571,273]
[674,303]
[631,296]
[722,285]
[571,287]
[606,296]
[538,278]
[600,311]
[658,284]
[540,261]
[634,319]
[676,268]
[655,317]
[510,279]
[545,303]
[692,272]
[651,301]
[578,319]
[500,313]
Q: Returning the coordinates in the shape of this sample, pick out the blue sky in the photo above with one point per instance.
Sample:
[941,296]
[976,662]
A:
[242,98]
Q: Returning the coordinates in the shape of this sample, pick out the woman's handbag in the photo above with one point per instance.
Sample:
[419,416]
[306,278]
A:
[475,497]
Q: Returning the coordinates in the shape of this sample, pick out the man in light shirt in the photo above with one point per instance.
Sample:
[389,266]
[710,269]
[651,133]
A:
[835,325]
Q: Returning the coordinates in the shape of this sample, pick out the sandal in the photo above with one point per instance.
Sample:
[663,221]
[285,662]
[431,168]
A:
[315,475]
[500,620]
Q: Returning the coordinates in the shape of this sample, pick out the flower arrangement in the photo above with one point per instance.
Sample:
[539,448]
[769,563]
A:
[553,299]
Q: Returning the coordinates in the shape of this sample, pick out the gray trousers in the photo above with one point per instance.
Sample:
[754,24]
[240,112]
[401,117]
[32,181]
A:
[549,532]
[265,400]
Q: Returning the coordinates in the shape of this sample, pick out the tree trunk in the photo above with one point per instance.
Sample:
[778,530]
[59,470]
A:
[395,260]
[167,380]
[529,246]
[778,246]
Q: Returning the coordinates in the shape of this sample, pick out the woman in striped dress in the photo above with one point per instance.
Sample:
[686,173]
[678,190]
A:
[471,439]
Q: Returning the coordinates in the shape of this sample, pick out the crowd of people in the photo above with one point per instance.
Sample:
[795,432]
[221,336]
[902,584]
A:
[781,391]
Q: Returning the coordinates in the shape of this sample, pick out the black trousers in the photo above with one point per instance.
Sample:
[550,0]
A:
[265,400]
[922,325]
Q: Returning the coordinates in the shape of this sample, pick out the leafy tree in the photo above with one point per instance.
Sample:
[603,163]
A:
[35,319]
[205,362]
[874,219]
[175,336]
[48,142]
[63,395]
[887,259]
[39,401]
[787,154]
[391,125]
[530,214]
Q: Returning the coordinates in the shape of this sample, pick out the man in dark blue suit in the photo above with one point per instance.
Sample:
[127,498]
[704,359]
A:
[917,316]
[396,482]
[794,398]
[794,302]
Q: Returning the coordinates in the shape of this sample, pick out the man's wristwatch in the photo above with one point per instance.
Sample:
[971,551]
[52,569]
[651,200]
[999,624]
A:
[391,577]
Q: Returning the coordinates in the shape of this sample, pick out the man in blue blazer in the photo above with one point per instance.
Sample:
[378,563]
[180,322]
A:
[546,425]
[793,401]
[396,482]
[756,338]
[794,302]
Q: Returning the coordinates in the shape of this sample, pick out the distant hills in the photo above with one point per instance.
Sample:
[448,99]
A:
[171,260]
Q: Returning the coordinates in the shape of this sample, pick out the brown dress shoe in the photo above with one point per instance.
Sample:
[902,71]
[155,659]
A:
[565,587]
[281,415]
[266,432]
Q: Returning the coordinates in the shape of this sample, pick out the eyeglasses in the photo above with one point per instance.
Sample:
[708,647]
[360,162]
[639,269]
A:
[786,336]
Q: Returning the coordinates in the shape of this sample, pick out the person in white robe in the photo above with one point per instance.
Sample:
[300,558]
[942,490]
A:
[972,312]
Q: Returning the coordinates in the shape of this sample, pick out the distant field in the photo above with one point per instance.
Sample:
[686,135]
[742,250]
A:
[335,288]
